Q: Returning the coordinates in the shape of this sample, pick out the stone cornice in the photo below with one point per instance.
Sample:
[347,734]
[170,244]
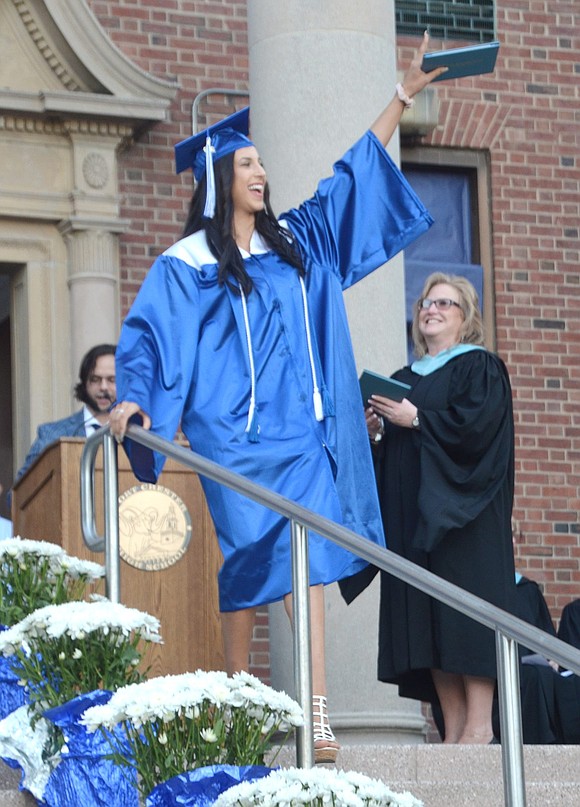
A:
[85,36]
[39,125]
[38,36]
[84,104]
[98,80]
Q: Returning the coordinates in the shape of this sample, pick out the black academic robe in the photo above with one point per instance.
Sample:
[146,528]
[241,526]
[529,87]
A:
[446,494]
[569,630]
[532,607]
[550,700]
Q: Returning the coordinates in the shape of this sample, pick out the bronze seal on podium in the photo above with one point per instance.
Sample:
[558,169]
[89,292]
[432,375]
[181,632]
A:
[154,527]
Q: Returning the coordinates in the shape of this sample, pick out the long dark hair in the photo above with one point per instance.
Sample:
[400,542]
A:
[219,230]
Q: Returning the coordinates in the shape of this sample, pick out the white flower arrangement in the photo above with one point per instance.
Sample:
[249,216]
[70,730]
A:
[34,574]
[179,722]
[315,787]
[61,651]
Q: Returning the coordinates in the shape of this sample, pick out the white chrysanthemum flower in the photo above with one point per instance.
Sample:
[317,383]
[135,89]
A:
[20,547]
[188,694]
[77,619]
[317,787]
[76,568]
[236,715]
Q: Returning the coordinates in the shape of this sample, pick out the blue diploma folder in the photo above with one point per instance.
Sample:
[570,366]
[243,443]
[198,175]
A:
[470,61]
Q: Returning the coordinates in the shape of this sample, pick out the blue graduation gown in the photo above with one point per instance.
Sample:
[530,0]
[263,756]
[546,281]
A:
[183,357]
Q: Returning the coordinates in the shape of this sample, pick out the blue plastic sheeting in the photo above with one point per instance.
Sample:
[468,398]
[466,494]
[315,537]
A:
[84,775]
[11,694]
[202,786]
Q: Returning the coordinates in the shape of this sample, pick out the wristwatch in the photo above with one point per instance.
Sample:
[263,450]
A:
[415,423]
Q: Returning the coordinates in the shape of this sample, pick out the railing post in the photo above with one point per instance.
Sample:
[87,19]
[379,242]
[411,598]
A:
[510,714]
[111,496]
[302,646]
[302,520]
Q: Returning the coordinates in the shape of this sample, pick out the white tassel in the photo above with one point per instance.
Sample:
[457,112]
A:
[252,427]
[318,412]
[316,396]
[251,411]
[209,209]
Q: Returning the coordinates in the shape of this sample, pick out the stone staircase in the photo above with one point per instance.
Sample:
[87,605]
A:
[439,775]
[466,775]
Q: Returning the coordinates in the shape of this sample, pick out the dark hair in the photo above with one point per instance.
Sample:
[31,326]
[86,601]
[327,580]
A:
[219,230]
[87,366]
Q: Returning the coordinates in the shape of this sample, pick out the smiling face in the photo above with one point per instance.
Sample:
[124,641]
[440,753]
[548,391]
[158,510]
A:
[441,328]
[249,182]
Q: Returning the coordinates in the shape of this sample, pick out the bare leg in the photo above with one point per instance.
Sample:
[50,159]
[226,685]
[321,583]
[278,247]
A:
[325,747]
[237,629]
[316,635]
[479,697]
[451,692]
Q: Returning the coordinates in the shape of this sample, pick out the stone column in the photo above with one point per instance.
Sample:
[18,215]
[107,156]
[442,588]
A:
[320,73]
[93,281]
[91,237]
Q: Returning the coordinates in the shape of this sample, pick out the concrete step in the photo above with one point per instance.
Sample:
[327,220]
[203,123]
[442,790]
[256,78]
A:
[10,795]
[461,775]
[439,775]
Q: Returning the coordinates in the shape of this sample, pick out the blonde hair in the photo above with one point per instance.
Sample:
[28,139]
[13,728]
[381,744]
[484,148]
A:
[471,331]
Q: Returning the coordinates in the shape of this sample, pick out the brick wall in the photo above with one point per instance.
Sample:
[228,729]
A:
[527,116]
[202,45]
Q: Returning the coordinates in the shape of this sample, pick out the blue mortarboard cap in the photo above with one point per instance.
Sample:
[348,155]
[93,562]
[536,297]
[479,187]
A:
[201,150]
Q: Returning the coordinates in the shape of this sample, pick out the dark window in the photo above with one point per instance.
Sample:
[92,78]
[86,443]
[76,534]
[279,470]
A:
[451,245]
[472,20]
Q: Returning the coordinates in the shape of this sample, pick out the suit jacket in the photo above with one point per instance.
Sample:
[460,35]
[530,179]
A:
[48,433]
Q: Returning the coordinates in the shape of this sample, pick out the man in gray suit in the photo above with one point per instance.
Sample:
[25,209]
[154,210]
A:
[96,390]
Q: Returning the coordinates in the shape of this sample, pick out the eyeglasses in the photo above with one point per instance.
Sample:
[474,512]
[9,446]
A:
[442,304]
[98,379]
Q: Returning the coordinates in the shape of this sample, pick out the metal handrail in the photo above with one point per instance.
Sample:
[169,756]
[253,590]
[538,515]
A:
[509,629]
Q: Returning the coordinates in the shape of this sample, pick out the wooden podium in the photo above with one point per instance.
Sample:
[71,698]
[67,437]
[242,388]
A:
[183,596]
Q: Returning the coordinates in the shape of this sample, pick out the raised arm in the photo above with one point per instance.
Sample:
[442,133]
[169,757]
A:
[414,81]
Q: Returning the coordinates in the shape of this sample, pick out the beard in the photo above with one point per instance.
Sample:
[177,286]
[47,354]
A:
[97,405]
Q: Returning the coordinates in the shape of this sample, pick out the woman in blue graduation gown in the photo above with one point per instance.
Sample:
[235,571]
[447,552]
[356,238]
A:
[445,468]
[239,335]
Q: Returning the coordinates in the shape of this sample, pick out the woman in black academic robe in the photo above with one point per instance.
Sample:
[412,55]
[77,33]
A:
[445,467]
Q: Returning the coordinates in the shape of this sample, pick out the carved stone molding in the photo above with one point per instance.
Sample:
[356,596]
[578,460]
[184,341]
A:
[94,79]
[20,248]
[95,170]
[37,35]
[100,57]
[35,125]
